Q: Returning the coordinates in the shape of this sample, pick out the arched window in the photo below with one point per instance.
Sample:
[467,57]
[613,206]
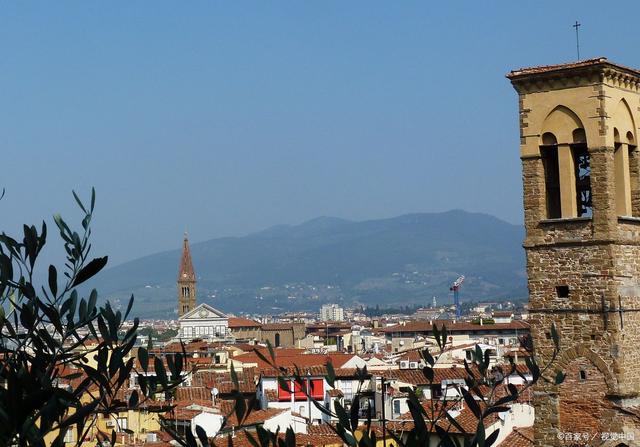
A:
[549,153]
[626,179]
[567,165]
[582,165]
[277,340]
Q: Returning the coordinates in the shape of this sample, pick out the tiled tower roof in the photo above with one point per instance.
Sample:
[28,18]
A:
[186,272]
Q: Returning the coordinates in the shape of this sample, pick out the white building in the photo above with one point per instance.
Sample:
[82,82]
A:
[203,322]
[331,312]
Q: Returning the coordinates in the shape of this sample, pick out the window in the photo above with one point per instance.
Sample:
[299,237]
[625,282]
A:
[277,340]
[396,406]
[122,424]
[284,394]
[317,388]
[436,391]
[583,375]
[562,291]
[549,153]
[623,153]
[582,165]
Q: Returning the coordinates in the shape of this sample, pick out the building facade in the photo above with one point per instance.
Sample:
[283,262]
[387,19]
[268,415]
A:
[580,170]
[331,312]
[204,322]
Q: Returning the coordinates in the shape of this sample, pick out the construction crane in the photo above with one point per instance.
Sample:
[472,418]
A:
[456,295]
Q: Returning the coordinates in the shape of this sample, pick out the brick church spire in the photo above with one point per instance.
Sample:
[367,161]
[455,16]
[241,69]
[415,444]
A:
[186,265]
[186,280]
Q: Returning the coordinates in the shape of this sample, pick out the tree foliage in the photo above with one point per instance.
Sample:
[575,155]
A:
[64,359]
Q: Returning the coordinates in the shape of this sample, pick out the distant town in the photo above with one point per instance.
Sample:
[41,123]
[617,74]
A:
[383,347]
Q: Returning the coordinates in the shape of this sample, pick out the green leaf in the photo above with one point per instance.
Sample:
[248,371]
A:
[202,435]
[355,412]
[240,408]
[428,373]
[93,298]
[555,337]
[427,357]
[160,372]
[342,415]
[133,400]
[89,270]
[480,435]
[471,403]
[78,201]
[491,439]
[271,353]
[53,280]
[331,375]
[290,437]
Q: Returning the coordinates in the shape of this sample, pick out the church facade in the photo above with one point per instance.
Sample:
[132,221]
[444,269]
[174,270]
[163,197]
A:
[204,321]
[196,321]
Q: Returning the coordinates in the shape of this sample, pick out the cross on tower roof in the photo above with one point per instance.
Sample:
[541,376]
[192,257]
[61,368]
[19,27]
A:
[576,26]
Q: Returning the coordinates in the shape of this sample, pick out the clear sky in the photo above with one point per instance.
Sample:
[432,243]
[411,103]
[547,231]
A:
[224,118]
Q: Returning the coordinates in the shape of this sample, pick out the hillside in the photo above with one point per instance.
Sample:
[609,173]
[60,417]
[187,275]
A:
[406,259]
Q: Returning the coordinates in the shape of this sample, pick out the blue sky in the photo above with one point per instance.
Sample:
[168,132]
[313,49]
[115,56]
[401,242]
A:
[224,118]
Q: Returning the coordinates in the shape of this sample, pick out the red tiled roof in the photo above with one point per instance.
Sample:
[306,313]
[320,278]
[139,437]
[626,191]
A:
[466,419]
[254,417]
[417,377]
[238,322]
[193,393]
[519,437]
[240,439]
[567,66]
[459,326]
[222,380]
[287,358]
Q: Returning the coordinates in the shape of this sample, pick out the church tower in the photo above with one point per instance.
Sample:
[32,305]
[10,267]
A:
[186,281]
[581,178]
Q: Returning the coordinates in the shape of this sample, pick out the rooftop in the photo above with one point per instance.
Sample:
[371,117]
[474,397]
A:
[540,69]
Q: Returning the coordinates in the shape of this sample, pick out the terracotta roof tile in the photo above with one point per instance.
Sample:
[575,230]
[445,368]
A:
[465,418]
[559,67]
[254,417]
[287,358]
[456,327]
[238,322]
[519,437]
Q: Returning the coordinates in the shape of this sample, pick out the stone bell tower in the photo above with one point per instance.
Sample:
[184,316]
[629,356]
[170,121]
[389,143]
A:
[581,176]
[186,281]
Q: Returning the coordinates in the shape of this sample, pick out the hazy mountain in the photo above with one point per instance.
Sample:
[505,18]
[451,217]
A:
[402,260]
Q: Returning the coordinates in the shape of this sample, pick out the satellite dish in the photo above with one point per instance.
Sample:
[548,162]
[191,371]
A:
[214,392]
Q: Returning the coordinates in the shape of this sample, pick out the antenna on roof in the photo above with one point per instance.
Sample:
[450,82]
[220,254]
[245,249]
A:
[576,26]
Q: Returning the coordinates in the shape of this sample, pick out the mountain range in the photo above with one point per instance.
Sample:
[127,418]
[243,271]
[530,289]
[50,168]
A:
[387,262]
